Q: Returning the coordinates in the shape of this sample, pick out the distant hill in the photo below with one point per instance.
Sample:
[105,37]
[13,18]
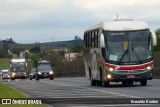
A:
[46,45]
[8,40]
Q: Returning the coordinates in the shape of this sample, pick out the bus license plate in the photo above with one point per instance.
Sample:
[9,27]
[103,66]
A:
[130,76]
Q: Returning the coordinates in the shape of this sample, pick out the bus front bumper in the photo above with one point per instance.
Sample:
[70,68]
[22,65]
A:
[116,77]
[17,76]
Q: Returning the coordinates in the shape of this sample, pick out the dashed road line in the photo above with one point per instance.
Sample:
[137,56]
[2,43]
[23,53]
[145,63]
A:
[93,89]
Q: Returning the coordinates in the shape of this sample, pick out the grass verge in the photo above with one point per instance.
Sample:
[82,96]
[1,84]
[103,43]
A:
[8,92]
[5,63]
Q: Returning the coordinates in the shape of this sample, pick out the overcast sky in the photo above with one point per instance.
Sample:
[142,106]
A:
[27,21]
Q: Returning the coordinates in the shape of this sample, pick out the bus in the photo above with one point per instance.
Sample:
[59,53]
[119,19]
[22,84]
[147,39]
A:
[18,69]
[119,51]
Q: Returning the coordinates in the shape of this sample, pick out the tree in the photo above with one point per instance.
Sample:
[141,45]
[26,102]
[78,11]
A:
[3,53]
[157,32]
[77,38]
[77,48]
[17,50]
[157,48]
[5,46]
[35,49]
[34,56]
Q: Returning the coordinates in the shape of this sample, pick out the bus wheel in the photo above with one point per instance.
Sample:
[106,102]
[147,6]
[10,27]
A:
[124,83]
[105,84]
[93,82]
[143,82]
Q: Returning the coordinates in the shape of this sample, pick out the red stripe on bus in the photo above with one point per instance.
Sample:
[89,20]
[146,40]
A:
[130,67]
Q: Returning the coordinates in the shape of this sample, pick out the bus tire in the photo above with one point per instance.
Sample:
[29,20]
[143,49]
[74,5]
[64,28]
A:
[143,82]
[105,84]
[31,78]
[93,82]
[124,83]
[99,83]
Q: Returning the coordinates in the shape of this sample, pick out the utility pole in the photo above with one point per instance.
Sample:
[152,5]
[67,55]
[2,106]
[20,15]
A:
[117,15]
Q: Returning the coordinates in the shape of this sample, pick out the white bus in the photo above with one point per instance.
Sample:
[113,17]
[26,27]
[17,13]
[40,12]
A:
[18,68]
[119,51]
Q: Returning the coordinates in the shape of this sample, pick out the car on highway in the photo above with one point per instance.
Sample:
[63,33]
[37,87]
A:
[5,74]
[32,73]
[44,72]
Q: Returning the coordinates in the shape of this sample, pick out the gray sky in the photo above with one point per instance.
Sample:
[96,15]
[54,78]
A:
[27,21]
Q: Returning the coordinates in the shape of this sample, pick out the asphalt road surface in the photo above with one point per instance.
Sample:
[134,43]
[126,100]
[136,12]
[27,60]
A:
[77,92]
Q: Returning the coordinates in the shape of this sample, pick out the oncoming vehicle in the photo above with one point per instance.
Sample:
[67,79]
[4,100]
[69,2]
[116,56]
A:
[119,51]
[44,72]
[18,68]
[5,74]
[32,73]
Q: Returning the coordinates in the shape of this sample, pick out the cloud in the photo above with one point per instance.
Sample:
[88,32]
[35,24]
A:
[68,18]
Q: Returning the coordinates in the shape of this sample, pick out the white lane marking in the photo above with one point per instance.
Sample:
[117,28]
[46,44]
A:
[93,89]
[73,80]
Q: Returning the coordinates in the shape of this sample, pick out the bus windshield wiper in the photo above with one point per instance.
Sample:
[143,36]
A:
[123,56]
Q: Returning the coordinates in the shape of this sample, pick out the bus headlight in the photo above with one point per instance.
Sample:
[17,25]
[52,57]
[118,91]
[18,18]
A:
[149,68]
[51,72]
[110,69]
[109,76]
[13,74]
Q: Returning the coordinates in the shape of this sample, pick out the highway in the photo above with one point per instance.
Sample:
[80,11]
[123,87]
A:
[68,91]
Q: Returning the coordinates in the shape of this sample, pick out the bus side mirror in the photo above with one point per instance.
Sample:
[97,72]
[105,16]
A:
[102,43]
[154,38]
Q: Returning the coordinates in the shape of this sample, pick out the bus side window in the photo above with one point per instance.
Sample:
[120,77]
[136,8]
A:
[88,39]
[85,40]
[93,41]
[96,38]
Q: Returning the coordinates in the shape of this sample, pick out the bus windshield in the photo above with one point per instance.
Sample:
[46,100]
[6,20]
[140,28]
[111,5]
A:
[128,47]
[18,66]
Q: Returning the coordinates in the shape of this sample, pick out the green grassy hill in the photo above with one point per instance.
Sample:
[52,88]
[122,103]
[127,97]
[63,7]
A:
[5,63]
